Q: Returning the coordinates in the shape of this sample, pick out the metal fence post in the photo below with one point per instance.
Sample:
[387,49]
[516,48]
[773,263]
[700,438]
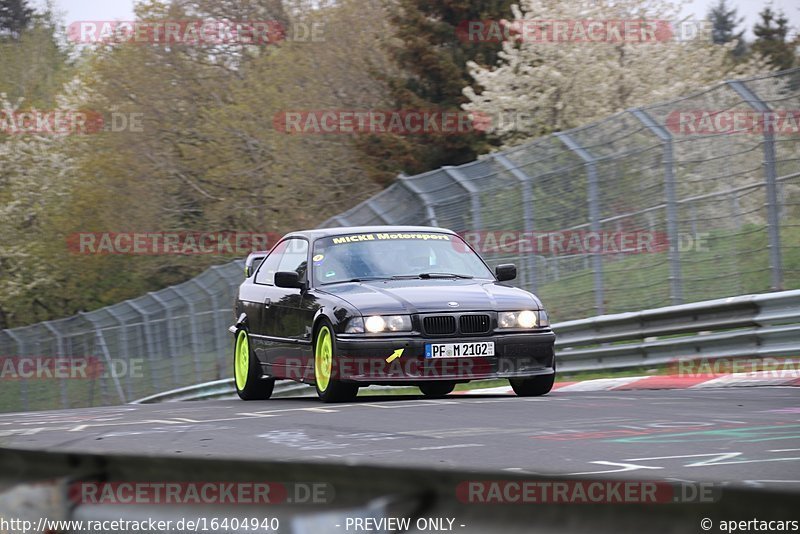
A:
[370,203]
[101,341]
[61,354]
[123,342]
[218,326]
[770,175]
[525,183]
[430,213]
[670,194]
[593,201]
[148,338]
[176,372]
[195,343]
[340,220]
[21,352]
[472,191]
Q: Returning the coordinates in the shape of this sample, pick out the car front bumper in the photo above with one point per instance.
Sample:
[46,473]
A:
[517,355]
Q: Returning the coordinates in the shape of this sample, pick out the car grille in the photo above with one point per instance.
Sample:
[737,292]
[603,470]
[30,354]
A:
[445,325]
[439,325]
[474,324]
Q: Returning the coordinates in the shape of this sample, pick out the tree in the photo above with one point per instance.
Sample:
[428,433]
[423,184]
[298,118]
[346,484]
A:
[34,65]
[552,87]
[723,27]
[15,16]
[771,39]
[205,155]
[431,58]
[34,185]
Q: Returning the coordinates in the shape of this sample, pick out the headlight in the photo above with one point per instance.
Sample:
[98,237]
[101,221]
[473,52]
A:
[519,319]
[388,323]
[526,319]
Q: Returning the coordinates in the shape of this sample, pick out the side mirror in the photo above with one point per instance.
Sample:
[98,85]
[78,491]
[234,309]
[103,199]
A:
[288,279]
[252,262]
[506,271]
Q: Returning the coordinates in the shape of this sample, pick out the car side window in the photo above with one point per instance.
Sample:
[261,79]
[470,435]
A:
[269,266]
[295,257]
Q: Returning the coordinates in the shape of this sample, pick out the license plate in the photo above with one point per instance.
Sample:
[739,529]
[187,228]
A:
[459,350]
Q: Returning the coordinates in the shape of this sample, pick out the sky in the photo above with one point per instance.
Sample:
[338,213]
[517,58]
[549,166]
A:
[74,10]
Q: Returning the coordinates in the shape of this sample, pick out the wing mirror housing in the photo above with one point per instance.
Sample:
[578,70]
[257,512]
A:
[289,279]
[506,271]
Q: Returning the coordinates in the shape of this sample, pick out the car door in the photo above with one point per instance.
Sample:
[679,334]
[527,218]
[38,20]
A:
[262,294]
[288,317]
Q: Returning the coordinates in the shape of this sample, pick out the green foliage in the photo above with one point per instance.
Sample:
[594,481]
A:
[15,16]
[431,58]
[771,39]
[33,65]
[206,158]
[724,21]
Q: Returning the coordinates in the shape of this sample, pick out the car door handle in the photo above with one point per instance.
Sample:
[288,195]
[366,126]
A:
[267,303]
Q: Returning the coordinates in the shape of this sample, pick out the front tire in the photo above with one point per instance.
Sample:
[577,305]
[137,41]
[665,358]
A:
[437,389]
[534,386]
[247,375]
[329,388]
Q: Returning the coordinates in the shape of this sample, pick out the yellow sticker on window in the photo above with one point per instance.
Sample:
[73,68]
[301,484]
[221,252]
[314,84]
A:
[318,257]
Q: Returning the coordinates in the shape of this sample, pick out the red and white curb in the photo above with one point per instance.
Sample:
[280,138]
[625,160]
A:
[627,383]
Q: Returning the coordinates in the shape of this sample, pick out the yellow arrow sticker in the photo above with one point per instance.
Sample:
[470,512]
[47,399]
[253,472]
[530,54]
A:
[396,354]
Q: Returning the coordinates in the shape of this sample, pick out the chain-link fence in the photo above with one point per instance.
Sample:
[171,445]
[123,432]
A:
[689,200]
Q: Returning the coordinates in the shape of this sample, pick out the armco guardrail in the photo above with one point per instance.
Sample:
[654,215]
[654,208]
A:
[748,326]
[764,325]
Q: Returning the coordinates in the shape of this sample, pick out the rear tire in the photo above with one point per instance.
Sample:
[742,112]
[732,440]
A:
[247,375]
[533,386]
[329,388]
[437,389]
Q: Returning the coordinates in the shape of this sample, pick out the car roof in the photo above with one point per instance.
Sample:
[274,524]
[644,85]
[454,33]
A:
[344,230]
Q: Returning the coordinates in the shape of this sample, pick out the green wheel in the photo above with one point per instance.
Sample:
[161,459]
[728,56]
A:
[250,384]
[329,388]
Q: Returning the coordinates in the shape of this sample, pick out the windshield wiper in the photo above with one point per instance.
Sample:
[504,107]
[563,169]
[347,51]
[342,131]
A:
[360,279]
[444,275]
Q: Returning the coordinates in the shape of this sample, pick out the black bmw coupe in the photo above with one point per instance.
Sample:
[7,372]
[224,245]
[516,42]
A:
[342,308]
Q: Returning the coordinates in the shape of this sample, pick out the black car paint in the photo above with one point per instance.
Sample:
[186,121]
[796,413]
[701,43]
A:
[282,321]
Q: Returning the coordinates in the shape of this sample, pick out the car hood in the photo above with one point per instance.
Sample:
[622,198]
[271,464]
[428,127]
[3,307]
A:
[426,296]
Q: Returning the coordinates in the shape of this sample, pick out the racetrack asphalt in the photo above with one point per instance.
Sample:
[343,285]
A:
[741,436]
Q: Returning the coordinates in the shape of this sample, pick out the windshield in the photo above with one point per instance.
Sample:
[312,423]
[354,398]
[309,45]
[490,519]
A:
[394,255]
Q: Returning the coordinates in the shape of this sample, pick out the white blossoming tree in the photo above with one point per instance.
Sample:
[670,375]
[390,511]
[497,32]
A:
[541,84]
[34,184]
